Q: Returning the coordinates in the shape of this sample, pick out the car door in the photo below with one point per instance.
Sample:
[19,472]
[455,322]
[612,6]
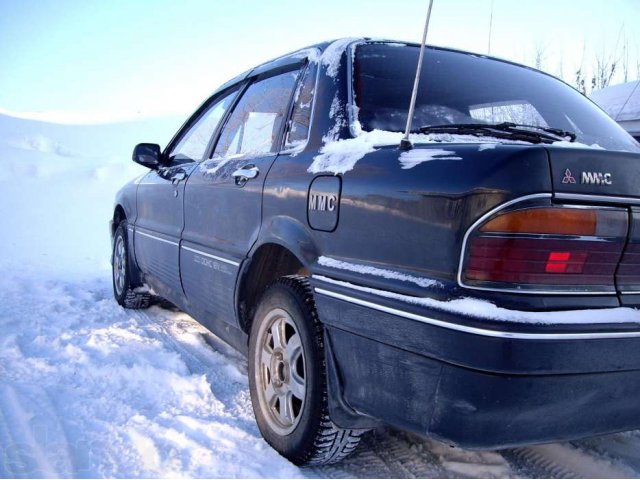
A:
[223,196]
[160,200]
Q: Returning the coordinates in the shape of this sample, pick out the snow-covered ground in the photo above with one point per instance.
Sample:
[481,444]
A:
[88,389]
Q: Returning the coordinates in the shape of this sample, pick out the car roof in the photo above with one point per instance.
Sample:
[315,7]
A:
[322,46]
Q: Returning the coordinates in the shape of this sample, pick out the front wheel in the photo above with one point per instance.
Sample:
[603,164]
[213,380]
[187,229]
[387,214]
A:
[287,378]
[124,292]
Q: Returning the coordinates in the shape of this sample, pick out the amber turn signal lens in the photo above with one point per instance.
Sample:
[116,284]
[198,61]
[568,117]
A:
[552,221]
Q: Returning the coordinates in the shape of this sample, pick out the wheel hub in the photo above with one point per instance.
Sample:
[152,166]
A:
[280,371]
[119,264]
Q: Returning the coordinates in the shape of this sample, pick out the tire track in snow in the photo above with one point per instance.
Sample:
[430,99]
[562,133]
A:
[201,351]
[387,453]
[34,443]
[622,448]
[383,453]
[562,460]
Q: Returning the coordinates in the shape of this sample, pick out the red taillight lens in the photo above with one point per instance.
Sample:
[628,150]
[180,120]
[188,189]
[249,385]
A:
[557,248]
[566,262]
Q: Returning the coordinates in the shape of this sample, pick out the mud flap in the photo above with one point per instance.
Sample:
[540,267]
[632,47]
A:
[340,412]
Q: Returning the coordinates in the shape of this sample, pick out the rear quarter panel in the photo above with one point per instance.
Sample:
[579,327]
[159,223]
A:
[413,220]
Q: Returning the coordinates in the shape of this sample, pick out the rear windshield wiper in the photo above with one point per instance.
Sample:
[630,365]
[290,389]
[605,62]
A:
[507,130]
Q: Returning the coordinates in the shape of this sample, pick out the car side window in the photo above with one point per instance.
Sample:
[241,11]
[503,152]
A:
[193,144]
[298,130]
[255,123]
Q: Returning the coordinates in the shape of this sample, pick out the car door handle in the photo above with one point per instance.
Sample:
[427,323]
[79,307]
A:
[178,177]
[245,173]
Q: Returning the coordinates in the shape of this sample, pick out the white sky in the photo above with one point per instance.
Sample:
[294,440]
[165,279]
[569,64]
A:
[118,59]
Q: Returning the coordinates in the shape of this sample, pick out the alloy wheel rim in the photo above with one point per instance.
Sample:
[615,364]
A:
[119,265]
[280,371]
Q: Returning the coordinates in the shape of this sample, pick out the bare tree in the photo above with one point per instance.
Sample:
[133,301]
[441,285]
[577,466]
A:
[605,68]
[625,58]
[560,68]
[599,67]
[579,80]
[540,55]
[607,63]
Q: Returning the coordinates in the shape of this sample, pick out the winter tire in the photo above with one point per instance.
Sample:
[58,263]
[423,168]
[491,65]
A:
[124,292]
[287,378]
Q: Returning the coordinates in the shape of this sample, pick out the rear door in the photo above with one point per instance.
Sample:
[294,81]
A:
[223,197]
[160,200]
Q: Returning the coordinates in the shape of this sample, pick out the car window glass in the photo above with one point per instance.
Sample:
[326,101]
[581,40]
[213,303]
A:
[516,112]
[193,144]
[457,87]
[298,131]
[254,125]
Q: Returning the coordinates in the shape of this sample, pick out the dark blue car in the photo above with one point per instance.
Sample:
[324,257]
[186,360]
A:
[479,285]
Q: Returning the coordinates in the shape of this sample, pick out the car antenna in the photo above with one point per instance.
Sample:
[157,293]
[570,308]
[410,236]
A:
[405,143]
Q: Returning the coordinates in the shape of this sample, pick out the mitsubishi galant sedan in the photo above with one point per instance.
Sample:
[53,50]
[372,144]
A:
[479,285]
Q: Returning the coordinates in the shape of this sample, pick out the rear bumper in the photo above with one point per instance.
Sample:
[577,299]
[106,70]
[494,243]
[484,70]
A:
[480,386]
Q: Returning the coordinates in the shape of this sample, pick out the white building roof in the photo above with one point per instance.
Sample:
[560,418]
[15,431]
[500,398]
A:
[621,102]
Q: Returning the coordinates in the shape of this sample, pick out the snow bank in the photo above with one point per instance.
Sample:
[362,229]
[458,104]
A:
[89,389]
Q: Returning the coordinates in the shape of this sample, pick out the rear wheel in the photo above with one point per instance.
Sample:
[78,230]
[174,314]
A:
[287,378]
[124,292]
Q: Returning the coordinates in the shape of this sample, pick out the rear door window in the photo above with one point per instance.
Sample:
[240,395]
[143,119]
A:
[298,130]
[255,125]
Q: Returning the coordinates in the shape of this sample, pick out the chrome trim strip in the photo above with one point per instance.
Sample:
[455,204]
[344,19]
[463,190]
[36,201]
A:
[475,330]
[597,198]
[511,290]
[220,259]
[632,292]
[156,238]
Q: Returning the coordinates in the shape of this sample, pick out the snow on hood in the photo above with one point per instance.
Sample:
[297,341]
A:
[621,102]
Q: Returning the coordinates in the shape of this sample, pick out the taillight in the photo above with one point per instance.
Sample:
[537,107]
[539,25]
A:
[628,274]
[546,248]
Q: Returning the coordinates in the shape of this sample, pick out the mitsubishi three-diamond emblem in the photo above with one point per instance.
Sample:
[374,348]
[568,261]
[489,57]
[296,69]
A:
[568,177]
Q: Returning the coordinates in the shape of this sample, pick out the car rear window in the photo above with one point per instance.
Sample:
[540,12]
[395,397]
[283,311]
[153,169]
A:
[458,87]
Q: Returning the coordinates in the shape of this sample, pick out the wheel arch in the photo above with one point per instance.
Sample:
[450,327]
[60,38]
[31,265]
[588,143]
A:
[285,247]
[118,215]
